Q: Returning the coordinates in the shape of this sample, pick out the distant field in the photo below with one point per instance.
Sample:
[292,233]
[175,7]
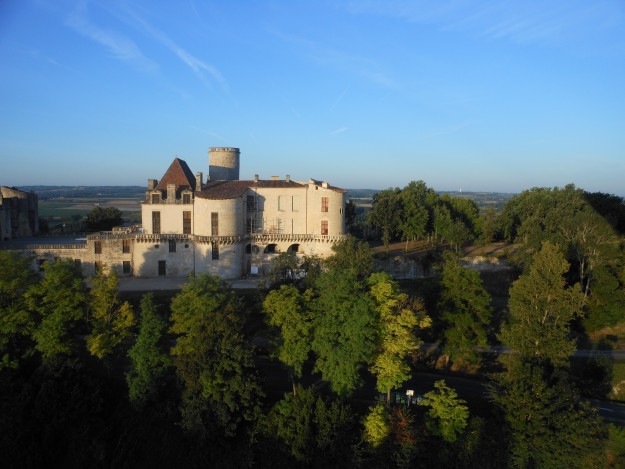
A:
[70,210]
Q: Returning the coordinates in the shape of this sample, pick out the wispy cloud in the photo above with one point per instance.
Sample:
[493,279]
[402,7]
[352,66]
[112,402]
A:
[521,22]
[204,71]
[339,131]
[340,97]
[117,44]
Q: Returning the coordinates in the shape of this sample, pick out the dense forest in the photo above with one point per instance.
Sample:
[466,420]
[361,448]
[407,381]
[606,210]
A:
[305,370]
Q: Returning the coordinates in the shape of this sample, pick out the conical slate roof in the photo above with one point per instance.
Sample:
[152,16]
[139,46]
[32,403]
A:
[179,174]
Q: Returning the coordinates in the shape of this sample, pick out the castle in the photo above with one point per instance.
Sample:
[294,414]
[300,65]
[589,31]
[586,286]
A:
[225,226]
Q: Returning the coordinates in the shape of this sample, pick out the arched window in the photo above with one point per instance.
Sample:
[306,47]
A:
[271,249]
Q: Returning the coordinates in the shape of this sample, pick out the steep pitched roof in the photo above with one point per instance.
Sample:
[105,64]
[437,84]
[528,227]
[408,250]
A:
[233,189]
[179,174]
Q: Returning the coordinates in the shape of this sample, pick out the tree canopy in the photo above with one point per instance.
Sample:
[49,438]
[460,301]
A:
[542,307]
[466,308]
[212,358]
[103,219]
[345,329]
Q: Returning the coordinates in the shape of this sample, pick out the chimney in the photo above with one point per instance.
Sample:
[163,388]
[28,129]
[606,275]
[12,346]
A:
[287,178]
[171,192]
[255,177]
[198,181]
[275,178]
[152,183]
[324,185]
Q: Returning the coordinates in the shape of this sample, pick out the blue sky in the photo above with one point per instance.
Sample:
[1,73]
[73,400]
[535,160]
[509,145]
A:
[473,95]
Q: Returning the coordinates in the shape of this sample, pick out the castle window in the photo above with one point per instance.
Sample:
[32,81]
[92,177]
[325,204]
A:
[186,222]
[156,222]
[156,198]
[125,246]
[251,203]
[324,227]
[126,267]
[97,247]
[162,268]
[97,267]
[172,245]
[214,224]
[283,203]
[186,198]
[324,204]
[215,251]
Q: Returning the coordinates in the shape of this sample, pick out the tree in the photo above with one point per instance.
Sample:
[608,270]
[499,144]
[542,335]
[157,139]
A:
[350,216]
[310,428]
[546,423]
[212,359]
[345,332]
[541,309]
[351,254]
[288,310]
[448,415]
[16,321]
[149,364]
[466,308]
[415,215]
[110,319]
[385,213]
[103,219]
[58,302]
[284,269]
[399,319]
[377,425]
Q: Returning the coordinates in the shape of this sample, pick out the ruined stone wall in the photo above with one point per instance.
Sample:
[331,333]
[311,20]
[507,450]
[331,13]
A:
[19,213]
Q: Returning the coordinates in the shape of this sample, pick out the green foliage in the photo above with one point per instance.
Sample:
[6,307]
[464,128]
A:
[309,428]
[607,303]
[284,269]
[547,424]
[54,419]
[377,426]
[110,319]
[448,414]
[351,254]
[541,309]
[58,302]
[103,219]
[466,308]
[616,446]
[345,330]
[385,213]
[415,215]
[289,269]
[416,211]
[350,216]
[398,321]
[16,321]
[212,358]
[149,364]
[289,311]
[291,422]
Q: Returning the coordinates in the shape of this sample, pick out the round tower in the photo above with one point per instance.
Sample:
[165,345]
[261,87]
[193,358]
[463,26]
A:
[223,164]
